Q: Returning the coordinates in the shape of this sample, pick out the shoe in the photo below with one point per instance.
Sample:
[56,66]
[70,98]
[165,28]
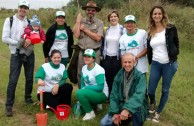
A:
[29,101]
[9,112]
[152,108]
[156,117]
[99,107]
[89,116]
[148,118]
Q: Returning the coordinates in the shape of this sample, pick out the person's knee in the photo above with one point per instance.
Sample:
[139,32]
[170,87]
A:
[79,93]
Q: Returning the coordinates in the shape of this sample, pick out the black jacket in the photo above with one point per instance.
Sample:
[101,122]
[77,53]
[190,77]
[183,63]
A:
[50,37]
[172,44]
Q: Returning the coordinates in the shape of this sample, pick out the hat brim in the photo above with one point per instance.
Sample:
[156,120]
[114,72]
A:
[60,16]
[130,20]
[24,5]
[88,55]
[96,8]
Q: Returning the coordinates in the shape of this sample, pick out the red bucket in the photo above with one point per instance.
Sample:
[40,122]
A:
[35,38]
[63,112]
[41,119]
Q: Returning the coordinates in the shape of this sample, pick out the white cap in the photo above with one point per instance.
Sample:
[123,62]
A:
[24,3]
[130,18]
[60,13]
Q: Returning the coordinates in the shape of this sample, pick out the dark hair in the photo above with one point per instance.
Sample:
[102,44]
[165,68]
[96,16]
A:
[114,11]
[151,26]
[55,51]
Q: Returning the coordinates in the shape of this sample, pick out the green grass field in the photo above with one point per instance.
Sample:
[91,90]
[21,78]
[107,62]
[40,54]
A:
[179,110]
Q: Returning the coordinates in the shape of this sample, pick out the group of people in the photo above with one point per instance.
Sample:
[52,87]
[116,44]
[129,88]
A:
[112,62]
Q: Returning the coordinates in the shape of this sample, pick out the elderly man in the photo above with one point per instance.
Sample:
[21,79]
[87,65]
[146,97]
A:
[13,28]
[89,32]
[127,99]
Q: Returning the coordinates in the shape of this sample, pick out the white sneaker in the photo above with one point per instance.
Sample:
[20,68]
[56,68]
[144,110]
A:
[156,117]
[89,116]
[99,107]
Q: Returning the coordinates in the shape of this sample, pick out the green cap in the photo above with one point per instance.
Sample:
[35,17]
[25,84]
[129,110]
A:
[90,52]
[130,18]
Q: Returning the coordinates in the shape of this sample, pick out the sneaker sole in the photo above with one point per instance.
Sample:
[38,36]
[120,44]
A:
[151,112]
[154,120]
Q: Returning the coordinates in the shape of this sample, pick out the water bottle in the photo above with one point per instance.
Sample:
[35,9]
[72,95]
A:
[77,110]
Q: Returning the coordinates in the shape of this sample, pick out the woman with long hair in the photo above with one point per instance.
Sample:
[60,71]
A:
[163,48]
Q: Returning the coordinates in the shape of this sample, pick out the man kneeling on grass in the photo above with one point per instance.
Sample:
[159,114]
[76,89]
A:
[127,99]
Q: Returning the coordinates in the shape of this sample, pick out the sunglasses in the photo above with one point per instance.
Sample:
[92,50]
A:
[91,10]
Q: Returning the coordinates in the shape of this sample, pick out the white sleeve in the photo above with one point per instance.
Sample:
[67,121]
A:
[6,33]
[122,45]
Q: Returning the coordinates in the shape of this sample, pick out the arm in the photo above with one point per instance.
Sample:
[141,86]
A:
[141,54]
[40,76]
[6,33]
[42,35]
[46,44]
[76,28]
[27,32]
[122,46]
[176,39]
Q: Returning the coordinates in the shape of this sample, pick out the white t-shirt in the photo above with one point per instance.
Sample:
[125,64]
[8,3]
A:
[91,77]
[135,44]
[61,43]
[158,44]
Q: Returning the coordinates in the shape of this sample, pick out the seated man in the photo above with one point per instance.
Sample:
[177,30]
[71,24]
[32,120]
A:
[128,97]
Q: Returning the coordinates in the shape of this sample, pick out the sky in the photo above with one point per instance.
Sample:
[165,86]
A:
[34,4]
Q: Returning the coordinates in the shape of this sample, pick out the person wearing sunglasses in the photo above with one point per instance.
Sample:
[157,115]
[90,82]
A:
[89,31]
[11,35]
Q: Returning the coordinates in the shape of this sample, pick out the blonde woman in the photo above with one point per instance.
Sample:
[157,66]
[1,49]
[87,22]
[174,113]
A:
[163,48]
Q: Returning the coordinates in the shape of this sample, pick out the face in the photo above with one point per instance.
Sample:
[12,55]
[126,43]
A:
[128,62]
[90,12]
[157,15]
[130,25]
[88,60]
[22,11]
[35,27]
[56,58]
[113,19]
[60,20]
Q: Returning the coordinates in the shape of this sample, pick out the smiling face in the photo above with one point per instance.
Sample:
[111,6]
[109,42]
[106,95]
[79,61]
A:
[60,20]
[88,60]
[157,15]
[56,58]
[130,26]
[22,11]
[113,18]
[128,62]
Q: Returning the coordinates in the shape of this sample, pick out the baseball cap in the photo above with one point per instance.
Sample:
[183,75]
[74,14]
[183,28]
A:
[90,52]
[23,3]
[130,18]
[60,13]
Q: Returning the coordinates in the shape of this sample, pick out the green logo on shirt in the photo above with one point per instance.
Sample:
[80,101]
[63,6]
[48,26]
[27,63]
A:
[86,79]
[133,44]
[58,77]
[61,36]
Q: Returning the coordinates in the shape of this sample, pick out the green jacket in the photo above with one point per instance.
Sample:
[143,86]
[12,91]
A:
[137,100]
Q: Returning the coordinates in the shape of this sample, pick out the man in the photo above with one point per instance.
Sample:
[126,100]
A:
[12,35]
[89,32]
[59,36]
[127,99]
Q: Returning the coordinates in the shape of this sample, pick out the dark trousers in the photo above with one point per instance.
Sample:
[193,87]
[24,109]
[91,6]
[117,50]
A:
[63,96]
[16,63]
[111,66]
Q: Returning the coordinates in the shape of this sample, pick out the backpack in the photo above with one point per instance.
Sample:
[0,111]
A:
[11,21]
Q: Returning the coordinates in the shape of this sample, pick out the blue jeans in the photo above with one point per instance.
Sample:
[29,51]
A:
[136,119]
[16,63]
[166,71]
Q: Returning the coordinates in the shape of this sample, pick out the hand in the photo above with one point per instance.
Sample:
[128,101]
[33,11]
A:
[82,27]
[27,43]
[46,60]
[41,41]
[116,119]
[125,114]
[40,83]
[79,18]
[55,89]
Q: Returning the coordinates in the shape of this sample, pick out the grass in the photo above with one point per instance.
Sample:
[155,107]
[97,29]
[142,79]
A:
[179,110]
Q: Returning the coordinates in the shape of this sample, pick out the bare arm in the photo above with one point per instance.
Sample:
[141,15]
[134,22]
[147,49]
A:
[76,28]
[141,54]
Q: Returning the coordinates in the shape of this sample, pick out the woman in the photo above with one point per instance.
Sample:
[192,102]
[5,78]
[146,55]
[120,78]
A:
[163,48]
[51,78]
[111,53]
[59,36]
[135,42]
[93,88]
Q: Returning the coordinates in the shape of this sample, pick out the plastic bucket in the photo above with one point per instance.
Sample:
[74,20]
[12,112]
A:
[63,112]
[35,38]
[41,119]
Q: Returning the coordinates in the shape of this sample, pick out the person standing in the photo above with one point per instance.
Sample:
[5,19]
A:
[127,99]
[135,42]
[111,61]
[11,35]
[59,36]
[163,48]
[51,78]
[89,31]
